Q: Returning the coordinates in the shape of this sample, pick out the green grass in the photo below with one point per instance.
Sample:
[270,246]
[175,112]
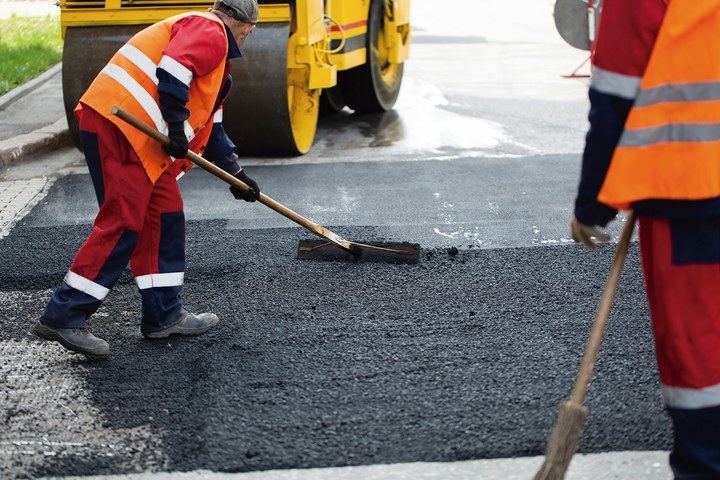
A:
[28,47]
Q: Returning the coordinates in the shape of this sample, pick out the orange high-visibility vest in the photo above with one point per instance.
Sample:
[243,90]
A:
[130,82]
[670,147]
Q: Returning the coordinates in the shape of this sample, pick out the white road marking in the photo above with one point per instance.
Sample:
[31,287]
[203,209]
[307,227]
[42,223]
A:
[18,197]
[602,466]
[48,409]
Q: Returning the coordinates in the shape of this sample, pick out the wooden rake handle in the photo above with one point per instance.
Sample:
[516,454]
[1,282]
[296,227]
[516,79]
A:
[226,177]
[603,314]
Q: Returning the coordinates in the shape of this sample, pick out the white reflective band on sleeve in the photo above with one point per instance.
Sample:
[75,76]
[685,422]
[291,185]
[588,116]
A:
[691,398]
[93,289]
[176,69]
[140,60]
[217,118]
[604,81]
[160,280]
[180,175]
[141,95]
[189,133]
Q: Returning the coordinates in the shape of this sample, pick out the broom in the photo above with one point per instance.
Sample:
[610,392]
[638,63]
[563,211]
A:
[565,438]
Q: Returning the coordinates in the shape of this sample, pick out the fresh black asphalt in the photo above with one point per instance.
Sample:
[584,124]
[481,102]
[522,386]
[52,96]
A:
[315,364]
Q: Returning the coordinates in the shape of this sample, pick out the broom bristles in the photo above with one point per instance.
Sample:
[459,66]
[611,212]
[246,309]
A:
[564,441]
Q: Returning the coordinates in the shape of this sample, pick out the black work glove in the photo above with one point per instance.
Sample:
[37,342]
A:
[247,195]
[178,146]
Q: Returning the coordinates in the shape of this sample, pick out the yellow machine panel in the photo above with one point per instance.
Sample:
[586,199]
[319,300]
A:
[348,29]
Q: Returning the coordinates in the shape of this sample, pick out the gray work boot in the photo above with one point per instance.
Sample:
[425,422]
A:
[78,340]
[189,324]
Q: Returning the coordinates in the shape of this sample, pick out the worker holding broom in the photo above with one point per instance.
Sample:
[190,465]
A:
[654,147]
[175,76]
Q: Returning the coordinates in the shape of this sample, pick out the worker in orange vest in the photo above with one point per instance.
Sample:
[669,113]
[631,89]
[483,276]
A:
[654,146]
[173,75]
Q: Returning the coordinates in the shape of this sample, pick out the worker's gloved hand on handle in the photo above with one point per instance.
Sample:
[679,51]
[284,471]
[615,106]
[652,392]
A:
[590,236]
[178,146]
[247,195]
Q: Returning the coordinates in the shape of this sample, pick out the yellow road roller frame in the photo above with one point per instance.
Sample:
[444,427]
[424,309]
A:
[308,46]
[397,28]
[92,13]
[345,23]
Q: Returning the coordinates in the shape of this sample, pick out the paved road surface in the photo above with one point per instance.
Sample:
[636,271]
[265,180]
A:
[465,356]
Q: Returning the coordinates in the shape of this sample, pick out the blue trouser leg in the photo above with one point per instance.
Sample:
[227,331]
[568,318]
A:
[161,307]
[69,308]
[696,451]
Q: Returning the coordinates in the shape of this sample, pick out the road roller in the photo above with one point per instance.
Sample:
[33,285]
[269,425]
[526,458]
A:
[304,57]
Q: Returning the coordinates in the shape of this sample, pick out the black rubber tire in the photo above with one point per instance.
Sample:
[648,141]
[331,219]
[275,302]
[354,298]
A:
[363,87]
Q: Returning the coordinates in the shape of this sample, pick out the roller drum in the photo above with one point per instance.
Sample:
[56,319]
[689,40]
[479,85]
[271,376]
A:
[85,52]
[257,113]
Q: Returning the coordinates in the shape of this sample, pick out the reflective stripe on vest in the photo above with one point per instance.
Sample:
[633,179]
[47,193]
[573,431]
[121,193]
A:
[146,101]
[130,81]
[670,147]
[144,63]
[688,92]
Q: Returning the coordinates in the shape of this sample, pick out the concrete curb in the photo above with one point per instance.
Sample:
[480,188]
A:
[18,92]
[41,140]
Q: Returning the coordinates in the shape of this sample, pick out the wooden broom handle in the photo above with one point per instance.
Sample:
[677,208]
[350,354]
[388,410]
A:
[230,179]
[603,314]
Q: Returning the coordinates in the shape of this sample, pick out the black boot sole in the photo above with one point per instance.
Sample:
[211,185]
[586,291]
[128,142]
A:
[46,333]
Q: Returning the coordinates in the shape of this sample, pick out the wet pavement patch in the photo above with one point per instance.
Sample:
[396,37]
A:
[320,364]
[448,39]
